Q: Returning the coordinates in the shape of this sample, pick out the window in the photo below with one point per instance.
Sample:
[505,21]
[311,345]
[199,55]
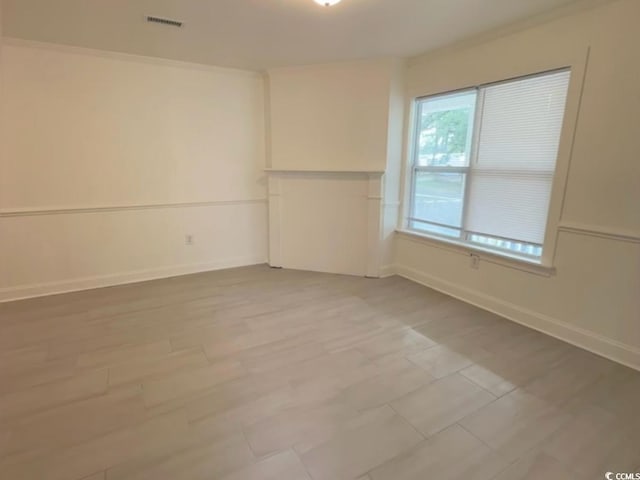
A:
[484,161]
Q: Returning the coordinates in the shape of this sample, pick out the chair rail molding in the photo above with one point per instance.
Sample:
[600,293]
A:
[610,233]
[85,209]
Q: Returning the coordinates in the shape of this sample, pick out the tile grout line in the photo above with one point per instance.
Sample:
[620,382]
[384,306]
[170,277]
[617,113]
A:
[496,397]
[508,464]
[474,435]
[304,465]
[405,420]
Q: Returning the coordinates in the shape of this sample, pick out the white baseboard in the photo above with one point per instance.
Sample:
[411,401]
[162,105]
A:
[585,339]
[387,271]
[88,283]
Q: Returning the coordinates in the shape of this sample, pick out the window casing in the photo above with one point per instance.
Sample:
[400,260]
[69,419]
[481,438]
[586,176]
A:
[484,161]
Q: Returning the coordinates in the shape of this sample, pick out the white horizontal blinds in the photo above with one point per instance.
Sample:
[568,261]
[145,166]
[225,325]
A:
[512,208]
[511,179]
[521,123]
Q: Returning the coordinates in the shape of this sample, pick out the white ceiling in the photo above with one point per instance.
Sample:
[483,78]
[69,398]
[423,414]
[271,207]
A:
[258,34]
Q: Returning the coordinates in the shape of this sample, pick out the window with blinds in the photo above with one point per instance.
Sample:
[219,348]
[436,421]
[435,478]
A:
[484,161]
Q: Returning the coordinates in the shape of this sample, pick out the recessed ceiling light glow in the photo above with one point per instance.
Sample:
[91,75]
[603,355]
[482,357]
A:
[326,3]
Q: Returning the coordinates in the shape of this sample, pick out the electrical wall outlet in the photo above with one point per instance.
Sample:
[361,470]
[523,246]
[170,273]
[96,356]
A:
[475,262]
[189,239]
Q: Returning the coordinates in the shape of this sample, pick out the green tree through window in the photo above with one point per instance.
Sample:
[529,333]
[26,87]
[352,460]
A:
[444,134]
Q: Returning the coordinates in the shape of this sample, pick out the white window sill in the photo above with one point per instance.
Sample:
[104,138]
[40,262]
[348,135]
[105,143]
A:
[485,255]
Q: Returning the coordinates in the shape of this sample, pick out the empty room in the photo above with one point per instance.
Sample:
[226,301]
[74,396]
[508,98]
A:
[319,240]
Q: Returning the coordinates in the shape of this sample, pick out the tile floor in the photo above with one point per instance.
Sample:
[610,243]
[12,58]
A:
[260,374]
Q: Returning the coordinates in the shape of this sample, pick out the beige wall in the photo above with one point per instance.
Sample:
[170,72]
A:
[109,161]
[321,222]
[393,173]
[593,299]
[334,130]
[330,117]
[3,232]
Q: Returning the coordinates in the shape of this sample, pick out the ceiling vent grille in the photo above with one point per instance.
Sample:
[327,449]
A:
[164,21]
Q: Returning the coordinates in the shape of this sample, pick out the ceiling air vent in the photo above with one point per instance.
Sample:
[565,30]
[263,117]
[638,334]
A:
[164,21]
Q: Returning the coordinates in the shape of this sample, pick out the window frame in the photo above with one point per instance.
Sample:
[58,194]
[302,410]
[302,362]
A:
[466,170]
[577,67]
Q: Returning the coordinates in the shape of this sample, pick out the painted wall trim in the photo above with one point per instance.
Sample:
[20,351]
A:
[26,212]
[387,271]
[509,29]
[109,54]
[374,225]
[585,339]
[88,283]
[323,172]
[485,255]
[610,233]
